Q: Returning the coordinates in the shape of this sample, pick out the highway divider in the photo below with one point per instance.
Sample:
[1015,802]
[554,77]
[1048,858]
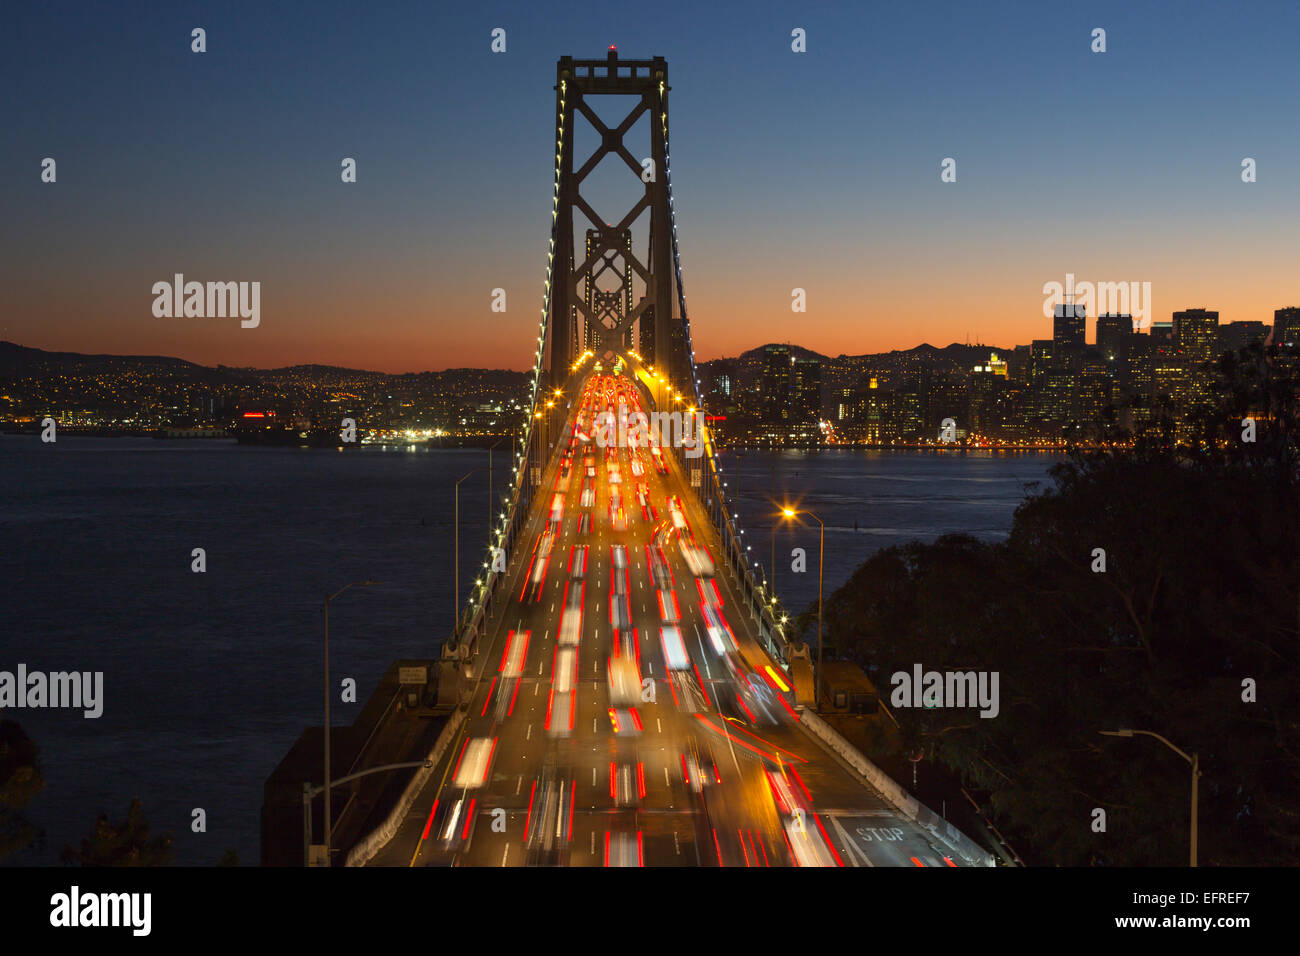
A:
[963,846]
[368,846]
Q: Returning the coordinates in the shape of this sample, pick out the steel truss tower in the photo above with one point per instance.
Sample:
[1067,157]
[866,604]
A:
[572,316]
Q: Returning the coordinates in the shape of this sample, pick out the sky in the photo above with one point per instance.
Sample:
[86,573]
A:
[817,170]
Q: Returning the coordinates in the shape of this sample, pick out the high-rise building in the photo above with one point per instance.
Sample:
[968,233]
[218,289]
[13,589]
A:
[1196,336]
[774,389]
[844,402]
[1113,333]
[982,391]
[806,390]
[1040,360]
[1235,336]
[946,396]
[1141,355]
[1114,337]
[1196,332]
[1018,364]
[1068,325]
[1169,374]
[1286,326]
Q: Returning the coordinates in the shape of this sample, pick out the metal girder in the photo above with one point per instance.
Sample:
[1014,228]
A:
[608,315]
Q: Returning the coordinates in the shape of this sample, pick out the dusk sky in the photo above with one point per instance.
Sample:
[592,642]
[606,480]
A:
[817,170]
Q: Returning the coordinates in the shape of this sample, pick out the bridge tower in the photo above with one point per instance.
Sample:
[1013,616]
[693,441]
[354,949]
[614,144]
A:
[658,317]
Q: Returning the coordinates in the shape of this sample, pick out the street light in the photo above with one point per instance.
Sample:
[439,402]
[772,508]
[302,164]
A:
[309,793]
[1194,760]
[456,584]
[821,561]
[772,566]
[328,598]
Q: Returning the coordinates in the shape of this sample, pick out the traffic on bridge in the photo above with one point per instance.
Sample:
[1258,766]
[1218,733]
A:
[622,712]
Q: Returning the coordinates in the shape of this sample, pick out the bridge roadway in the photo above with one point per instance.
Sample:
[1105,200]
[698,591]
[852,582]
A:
[767,777]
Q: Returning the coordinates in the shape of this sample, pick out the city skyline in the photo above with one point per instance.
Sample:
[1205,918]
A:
[211,178]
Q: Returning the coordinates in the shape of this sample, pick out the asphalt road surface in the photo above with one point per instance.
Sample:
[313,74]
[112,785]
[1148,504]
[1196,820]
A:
[682,752]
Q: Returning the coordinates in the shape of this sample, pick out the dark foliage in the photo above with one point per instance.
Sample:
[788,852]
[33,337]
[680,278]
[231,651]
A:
[1200,595]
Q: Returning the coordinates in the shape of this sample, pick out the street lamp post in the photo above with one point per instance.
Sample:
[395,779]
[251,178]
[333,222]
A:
[772,566]
[309,793]
[456,547]
[1194,759]
[489,470]
[328,598]
[821,563]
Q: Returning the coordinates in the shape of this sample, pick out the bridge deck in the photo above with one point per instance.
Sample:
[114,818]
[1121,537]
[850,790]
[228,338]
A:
[734,821]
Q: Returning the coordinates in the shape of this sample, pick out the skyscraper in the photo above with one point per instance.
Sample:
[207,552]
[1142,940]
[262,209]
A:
[774,389]
[1196,336]
[1068,326]
[1286,326]
[1113,332]
[1196,332]
[1234,336]
[1114,337]
[806,390]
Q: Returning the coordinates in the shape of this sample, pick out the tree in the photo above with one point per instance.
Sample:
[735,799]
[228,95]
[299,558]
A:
[20,782]
[125,844]
[1200,593]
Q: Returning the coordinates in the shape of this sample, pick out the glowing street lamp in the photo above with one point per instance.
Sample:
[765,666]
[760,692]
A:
[789,513]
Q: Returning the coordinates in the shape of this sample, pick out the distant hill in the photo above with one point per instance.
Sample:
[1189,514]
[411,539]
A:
[21,361]
[850,371]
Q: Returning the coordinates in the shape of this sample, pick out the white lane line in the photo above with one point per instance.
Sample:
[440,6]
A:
[536,687]
[699,639]
[667,782]
[660,724]
[518,784]
[505,853]
[529,735]
[593,776]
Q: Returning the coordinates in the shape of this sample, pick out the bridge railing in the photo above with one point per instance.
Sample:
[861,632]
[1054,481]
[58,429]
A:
[770,617]
[764,609]
[483,597]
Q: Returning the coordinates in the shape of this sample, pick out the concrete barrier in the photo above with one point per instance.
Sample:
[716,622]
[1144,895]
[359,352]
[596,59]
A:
[963,846]
[377,839]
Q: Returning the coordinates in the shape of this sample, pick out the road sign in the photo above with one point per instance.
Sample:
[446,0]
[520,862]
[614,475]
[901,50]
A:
[413,675]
